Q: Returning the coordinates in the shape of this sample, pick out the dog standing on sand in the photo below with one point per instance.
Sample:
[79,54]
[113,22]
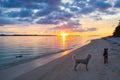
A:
[105,54]
[81,61]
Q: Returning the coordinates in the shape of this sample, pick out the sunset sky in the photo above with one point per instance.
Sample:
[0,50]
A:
[75,17]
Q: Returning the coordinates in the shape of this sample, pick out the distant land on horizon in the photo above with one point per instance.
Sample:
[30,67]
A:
[24,35]
[36,35]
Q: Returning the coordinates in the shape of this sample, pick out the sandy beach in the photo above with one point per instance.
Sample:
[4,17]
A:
[62,68]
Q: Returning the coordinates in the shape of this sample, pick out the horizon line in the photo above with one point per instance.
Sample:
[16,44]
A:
[38,35]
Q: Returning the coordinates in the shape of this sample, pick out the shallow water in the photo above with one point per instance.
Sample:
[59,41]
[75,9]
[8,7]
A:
[31,47]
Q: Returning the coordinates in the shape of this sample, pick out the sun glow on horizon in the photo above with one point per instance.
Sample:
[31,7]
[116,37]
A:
[63,34]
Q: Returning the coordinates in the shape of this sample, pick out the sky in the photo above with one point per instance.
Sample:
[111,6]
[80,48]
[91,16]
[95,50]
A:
[76,17]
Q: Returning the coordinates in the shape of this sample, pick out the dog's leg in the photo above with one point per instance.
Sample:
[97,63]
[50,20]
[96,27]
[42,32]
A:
[86,67]
[75,66]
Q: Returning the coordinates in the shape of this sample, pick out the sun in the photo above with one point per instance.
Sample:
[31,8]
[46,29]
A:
[63,34]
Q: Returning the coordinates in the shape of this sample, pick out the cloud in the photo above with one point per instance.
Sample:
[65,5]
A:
[55,17]
[110,12]
[43,12]
[47,21]
[36,5]
[74,8]
[0,11]
[4,20]
[96,17]
[54,11]
[64,27]
[13,14]
[24,3]
[72,28]
[25,12]
[25,20]
[80,3]
[91,29]
[117,4]
[74,22]
[6,32]
[87,10]
[85,30]
[10,3]
[102,5]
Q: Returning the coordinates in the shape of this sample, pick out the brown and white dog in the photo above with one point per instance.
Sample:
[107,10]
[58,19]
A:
[81,61]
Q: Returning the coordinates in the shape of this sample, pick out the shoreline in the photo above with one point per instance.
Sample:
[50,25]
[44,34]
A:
[30,59]
[62,68]
[26,67]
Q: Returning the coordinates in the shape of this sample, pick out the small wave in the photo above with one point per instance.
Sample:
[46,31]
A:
[26,58]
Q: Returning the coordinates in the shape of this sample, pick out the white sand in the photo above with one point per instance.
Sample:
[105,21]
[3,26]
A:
[62,68]
[114,39]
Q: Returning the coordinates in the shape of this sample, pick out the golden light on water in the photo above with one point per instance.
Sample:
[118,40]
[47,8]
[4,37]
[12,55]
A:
[64,42]
[63,37]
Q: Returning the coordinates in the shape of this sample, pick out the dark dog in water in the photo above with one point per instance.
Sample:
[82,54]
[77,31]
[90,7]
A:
[19,56]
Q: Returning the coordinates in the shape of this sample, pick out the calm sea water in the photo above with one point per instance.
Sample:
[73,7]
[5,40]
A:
[32,47]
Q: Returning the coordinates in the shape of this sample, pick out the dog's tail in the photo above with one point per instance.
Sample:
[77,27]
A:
[73,58]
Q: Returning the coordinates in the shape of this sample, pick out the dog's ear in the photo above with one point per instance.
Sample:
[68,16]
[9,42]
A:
[105,48]
[89,55]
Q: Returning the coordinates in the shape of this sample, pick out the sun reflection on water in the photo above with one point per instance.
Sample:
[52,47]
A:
[64,42]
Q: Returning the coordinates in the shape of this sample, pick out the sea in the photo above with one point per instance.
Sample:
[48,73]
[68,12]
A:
[15,50]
